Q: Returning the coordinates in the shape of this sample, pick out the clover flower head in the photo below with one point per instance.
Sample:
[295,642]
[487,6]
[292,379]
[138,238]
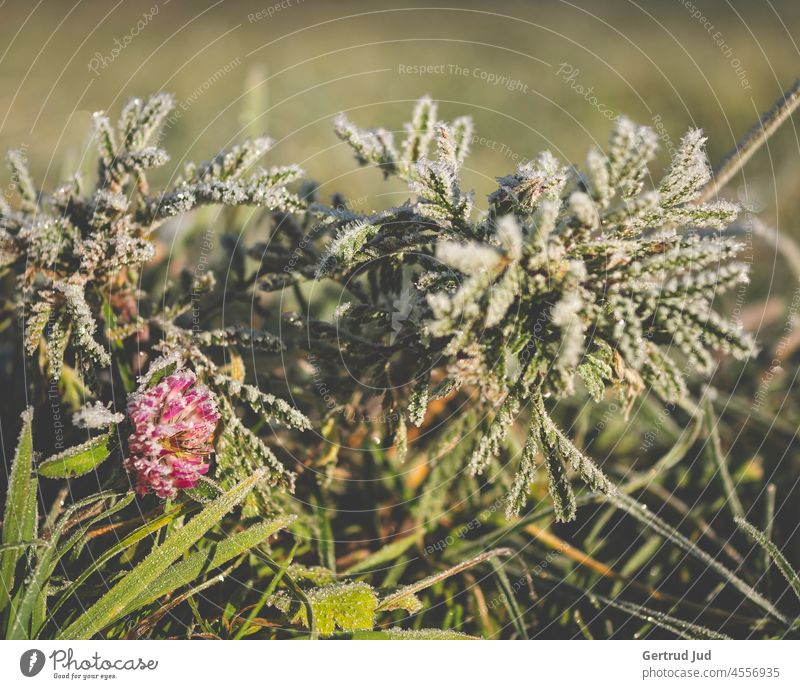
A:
[174,424]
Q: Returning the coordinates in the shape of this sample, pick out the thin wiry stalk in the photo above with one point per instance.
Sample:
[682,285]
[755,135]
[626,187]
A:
[441,576]
[769,517]
[755,138]
[641,513]
[777,556]
[714,448]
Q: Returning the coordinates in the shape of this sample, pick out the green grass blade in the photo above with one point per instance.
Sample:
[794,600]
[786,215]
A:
[268,591]
[655,523]
[139,534]
[714,448]
[326,543]
[507,592]
[116,601]
[388,553]
[21,545]
[197,564]
[27,610]
[680,628]
[777,556]
[17,508]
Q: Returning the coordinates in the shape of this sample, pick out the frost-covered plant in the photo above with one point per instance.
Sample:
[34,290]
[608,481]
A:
[567,275]
[77,255]
[568,284]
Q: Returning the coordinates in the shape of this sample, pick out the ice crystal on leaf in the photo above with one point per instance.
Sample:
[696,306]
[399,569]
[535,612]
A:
[96,415]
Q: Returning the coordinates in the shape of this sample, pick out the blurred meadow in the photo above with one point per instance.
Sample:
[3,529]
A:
[526,71]
[533,75]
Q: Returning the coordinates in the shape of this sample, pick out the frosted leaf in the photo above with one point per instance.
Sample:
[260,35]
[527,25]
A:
[419,132]
[343,251]
[689,171]
[469,258]
[84,324]
[96,415]
[631,148]
[509,236]
[349,606]
[584,209]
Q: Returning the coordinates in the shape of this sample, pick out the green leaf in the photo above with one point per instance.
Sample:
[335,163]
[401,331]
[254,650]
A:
[17,508]
[112,605]
[157,375]
[78,460]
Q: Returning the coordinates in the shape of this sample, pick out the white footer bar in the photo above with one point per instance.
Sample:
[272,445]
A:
[402,664]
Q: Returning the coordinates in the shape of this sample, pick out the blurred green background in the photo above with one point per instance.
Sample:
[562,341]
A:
[287,66]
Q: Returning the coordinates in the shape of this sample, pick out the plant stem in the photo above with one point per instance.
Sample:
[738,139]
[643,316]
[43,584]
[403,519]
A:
[755,138]
[441,576]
